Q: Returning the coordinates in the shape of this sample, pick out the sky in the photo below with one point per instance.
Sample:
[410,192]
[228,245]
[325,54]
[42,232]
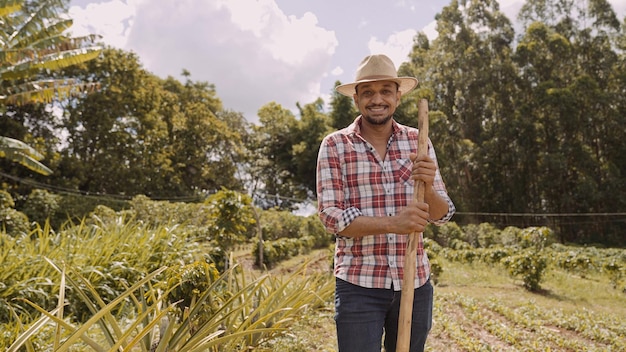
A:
[259,51]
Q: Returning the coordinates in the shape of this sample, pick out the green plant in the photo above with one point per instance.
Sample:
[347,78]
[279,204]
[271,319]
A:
[12,222]
[232,218]
[530,266]
[41,205]
[244,314]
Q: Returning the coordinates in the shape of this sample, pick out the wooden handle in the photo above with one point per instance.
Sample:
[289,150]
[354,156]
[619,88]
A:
[410,258]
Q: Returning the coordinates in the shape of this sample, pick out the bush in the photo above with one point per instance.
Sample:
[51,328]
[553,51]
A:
[537,237]
[233,220]
[529,266]
[6,201]
[509,235]
[446,233]
[13,222]
[189,281]
[41,205]
[277,224]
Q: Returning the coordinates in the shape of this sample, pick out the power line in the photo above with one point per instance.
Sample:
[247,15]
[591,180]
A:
[120,197]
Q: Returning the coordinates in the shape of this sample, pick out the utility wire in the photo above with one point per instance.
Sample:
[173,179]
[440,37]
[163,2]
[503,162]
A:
[120,197]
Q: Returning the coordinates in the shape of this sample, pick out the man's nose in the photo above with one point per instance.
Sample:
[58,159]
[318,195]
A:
[377,97]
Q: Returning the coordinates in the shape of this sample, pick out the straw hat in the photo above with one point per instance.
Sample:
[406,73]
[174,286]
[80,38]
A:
[377,68]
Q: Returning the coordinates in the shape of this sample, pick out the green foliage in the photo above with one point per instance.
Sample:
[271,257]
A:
[23,154]
[41,205]
[530,266]
[535,237]
[110,255]
[277,224]
[186,283]
[33,45]
[286,235]
[343,110]
[482,235]
[232,218]
[243,316]
[615,271]
[446,233]
[12,222]
[6,200]
[509,235]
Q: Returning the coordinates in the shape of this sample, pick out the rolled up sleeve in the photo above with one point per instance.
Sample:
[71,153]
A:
[331,207]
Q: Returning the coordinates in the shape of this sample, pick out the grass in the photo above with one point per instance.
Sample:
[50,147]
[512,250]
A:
[480,308]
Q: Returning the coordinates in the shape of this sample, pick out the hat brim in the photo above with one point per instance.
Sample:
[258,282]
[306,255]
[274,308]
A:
[405,85]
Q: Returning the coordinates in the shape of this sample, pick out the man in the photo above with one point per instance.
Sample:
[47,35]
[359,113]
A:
[365,178]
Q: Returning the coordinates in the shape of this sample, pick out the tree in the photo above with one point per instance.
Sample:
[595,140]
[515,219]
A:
[273,172]
[144,135]
[343,111]
[571,73]
[312,127]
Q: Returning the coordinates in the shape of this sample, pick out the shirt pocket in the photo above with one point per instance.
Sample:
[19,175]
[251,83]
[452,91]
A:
[402,172]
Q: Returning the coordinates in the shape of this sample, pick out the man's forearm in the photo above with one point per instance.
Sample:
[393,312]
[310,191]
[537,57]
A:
[438,205]
[368,225]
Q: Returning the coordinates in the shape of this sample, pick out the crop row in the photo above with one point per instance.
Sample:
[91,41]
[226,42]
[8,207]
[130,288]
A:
[488,324]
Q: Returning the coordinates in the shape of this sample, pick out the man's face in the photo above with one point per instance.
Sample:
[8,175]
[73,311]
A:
[377,101]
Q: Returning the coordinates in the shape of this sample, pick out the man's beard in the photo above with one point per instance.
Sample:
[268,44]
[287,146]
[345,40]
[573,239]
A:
[372,121]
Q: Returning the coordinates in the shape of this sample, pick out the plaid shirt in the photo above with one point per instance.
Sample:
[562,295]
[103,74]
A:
[352,180]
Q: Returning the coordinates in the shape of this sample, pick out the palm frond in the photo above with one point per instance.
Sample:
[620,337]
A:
[23,154]
[35,38]
[37,20]
[46,91]
[50,62]
[8,7]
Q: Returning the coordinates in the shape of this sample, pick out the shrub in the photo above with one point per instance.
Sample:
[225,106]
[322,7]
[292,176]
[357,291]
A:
[537,237]
[529,266]
[614,271]
[509,235]
[13,222]
[277,224]
[189,281]
[313,227]
[6,201]
[446,233]
[435,270]
[487,235]
[470,234]
[232,218]
[41,205]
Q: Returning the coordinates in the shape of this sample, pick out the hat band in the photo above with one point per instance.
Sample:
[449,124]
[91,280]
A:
[378,77]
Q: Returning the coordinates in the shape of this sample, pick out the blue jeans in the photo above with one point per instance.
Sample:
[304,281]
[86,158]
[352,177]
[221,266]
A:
[362,314]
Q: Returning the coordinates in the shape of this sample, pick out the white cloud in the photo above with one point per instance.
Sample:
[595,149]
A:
[111,20]
[337,71]
[250,50]
[397,46]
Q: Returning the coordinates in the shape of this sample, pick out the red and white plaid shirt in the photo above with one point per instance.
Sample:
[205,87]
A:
[352,180]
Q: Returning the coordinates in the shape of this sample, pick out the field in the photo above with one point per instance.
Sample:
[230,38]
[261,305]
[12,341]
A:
[130,286]
[479,307]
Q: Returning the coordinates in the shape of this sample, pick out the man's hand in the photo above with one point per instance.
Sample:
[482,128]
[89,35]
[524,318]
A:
[424,169]
[413,218]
